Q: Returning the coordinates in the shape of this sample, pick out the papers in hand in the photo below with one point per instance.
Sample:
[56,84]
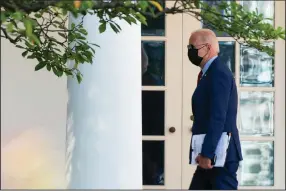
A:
[220,152]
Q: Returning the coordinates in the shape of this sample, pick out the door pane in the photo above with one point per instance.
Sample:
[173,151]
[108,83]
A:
[153,112]
[257,167]
[153,163]
[227,54]
[153,63]
[263,7]
[156,26]
[256,68]
[256,113]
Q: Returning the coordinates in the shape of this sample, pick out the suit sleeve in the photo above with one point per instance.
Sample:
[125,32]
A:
[220,89]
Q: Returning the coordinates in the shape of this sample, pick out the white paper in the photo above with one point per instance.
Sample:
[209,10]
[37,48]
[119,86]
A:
[220,152]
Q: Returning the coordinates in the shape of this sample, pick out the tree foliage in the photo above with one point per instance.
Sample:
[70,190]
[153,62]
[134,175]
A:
[39,27]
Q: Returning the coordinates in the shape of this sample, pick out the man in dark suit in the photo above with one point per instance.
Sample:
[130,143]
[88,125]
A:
[214,106]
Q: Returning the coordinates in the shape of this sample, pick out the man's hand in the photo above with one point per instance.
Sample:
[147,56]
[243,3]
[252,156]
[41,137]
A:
[204,162]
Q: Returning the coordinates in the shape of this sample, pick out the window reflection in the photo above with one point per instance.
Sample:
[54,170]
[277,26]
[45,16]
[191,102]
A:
[153,112]
[256,68]
[153,63]
[227,54]
[156,26]
[257,168]
[256,113]
[263,7]
[153,163]
[214,3]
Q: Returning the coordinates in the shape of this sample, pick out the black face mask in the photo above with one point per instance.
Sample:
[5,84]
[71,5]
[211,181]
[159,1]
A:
[193,55]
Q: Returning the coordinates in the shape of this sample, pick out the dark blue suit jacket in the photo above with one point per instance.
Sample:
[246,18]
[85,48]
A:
[214,105]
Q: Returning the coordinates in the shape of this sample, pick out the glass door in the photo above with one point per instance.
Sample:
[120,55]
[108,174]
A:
[162,101]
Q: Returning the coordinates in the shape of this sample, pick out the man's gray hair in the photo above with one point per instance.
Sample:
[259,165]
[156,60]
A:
[208,36]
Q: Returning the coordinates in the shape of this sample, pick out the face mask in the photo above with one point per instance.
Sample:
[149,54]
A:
[193,55]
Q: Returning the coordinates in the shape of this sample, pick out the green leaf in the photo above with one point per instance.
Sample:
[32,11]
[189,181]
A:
[38,15]
[79,77]
[127,20]
[83,31]
[74,13]
[18,46]
[17,15]
[3,16]
[56,72]
[141,18]
[92,49]
[31,56]
[35,39]
[220,33]
[25,53]
[197,3]
[72,26]
[89,4]
[80,58]
[143,4]
[282,35]
[131,19]
[102,27]
[40,66]
[114,28]
[64,12]
[95,45]
[223,5]
[127,2]
[29,45]
[60,71]
[100,13]
[28,26]
[39,57]
[14,23]
[118,26]
[49,67]
[80,37]
[71,37]
[68,73]
[10,27]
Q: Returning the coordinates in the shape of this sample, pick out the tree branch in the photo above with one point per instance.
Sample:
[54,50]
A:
[31,7]
[8,37]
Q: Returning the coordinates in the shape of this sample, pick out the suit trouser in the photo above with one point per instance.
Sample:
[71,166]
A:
[217,178]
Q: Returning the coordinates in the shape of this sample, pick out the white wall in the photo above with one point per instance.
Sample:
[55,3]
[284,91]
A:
[33,123]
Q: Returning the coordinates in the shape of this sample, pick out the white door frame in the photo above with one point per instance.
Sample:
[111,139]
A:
[173,99]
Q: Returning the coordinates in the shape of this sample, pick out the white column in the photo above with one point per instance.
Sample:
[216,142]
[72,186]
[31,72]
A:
[104,139]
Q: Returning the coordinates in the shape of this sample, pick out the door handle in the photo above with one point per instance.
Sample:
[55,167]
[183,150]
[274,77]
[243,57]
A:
[172,129]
